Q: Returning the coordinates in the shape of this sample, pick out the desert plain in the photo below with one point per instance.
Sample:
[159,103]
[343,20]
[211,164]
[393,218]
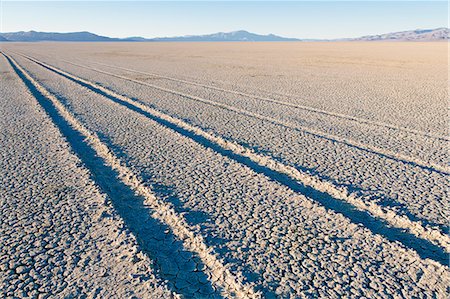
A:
[224,170]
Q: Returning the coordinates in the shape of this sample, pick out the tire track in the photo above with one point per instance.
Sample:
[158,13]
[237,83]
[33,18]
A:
[284,103]
[231,285]
[334,138]
[319,188]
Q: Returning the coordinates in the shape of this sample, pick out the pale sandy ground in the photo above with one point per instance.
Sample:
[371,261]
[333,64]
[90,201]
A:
[369,118]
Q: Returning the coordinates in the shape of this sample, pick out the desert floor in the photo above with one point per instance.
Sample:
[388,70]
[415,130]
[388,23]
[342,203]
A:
[224,170]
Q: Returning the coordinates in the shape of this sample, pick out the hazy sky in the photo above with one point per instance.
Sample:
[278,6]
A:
[302,19]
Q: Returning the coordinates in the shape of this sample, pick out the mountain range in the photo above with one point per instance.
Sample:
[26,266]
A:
[411,35]
[34,36]
[437,34]
[233,36]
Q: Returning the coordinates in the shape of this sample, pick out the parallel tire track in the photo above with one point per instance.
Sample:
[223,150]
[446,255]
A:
[416,228]
[220,275]
[284,103]
[347,141]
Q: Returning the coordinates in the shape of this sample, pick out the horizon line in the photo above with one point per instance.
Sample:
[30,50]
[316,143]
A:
[205,34]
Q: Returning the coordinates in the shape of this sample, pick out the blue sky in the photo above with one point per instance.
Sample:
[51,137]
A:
[302,19]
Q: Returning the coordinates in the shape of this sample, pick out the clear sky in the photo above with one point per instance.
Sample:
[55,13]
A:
[301,19]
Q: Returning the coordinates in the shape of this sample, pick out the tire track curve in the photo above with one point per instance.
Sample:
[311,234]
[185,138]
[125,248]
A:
[334,138]
[341,194]
[221,276]
[284,103]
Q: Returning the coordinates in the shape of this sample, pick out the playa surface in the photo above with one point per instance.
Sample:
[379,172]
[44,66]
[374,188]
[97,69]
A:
[224,170]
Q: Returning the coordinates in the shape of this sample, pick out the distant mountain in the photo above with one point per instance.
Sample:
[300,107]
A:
[235,36]
[412,35]
[34,36]
[132,39]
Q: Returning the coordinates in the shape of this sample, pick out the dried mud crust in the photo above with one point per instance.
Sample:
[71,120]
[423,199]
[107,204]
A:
[411,189]
[399,83]
[283,242]
[59,235]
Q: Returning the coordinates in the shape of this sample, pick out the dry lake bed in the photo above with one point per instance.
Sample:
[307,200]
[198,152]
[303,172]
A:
[224,170]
